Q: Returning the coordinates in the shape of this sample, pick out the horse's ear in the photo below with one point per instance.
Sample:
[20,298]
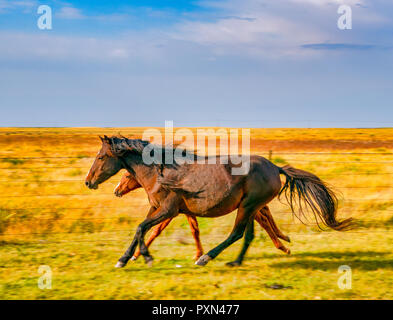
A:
[107,139]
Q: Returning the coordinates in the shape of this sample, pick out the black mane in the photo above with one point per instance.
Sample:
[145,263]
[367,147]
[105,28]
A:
[121,145]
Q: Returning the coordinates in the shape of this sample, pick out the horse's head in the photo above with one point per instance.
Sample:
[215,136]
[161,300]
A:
[105,165]
[126,184]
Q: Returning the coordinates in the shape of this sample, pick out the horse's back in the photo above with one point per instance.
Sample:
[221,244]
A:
[216,189]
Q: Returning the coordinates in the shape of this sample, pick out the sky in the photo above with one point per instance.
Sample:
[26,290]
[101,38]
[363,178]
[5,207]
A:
[239,63]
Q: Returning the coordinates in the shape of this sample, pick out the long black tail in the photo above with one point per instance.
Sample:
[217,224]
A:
[304,187]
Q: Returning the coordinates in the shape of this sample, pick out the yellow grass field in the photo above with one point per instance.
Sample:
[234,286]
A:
[48,217]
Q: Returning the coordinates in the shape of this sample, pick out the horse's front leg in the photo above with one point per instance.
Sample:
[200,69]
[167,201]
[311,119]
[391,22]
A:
[168,209]
[156,232]
[131,249]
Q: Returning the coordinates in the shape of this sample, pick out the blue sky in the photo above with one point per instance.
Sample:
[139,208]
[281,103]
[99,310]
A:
[249,63]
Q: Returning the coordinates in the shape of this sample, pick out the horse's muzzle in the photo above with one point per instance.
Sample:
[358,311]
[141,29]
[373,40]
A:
[91,185]
[118,193]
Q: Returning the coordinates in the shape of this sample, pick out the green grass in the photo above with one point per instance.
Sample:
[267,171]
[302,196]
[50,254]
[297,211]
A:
[279,161]
[14,162]
[83,268]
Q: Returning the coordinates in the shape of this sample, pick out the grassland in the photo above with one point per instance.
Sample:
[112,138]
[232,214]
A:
[48,217]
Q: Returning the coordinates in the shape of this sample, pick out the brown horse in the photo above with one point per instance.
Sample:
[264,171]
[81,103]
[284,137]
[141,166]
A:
[128,184]
[210,189]
[263,217]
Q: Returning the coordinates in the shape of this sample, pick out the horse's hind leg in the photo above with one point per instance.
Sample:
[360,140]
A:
[156,232]
[247,241]
[266,212]
[264,222]
[195,232]
[243,215]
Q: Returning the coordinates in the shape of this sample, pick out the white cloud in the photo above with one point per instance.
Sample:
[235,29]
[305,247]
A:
[242,28]
[24,5]
[119,53]
[265,35]
[321,3]
[279,28]
[252,29]
[51,47]
[69,13]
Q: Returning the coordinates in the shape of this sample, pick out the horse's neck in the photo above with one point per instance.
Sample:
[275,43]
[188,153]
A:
[145,175]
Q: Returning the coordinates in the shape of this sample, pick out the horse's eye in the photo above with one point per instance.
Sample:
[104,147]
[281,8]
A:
[100,158]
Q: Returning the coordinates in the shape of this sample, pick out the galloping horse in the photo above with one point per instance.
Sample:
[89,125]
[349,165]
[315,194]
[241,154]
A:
[263,217]
[128,184]
[210,190]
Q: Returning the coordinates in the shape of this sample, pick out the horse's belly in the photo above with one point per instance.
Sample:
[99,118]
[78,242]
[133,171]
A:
[214,205]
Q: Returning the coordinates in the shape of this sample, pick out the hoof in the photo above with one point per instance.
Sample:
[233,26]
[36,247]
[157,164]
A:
[233,264]
[120,264]
[133,258]
[202,261]
[287,239]
[196,257]
[284,249]
[149,261]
